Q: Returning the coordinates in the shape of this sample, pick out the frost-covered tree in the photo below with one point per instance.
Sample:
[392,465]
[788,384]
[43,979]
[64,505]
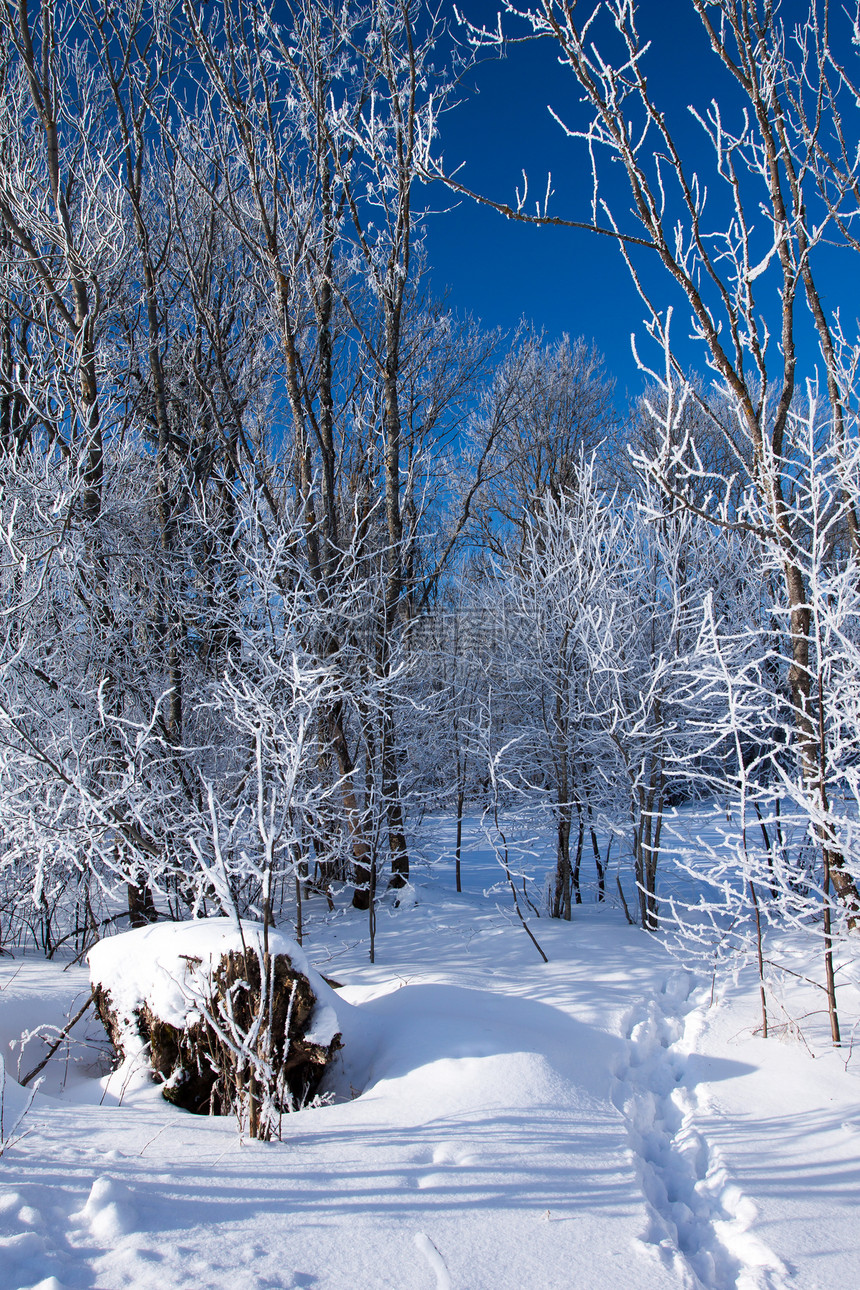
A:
[735,234]
[216,361]
[601,604]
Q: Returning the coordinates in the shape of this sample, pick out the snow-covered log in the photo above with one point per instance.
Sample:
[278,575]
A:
[225,1021]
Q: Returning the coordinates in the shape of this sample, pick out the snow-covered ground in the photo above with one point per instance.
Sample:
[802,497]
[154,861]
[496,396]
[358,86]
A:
[596,1123]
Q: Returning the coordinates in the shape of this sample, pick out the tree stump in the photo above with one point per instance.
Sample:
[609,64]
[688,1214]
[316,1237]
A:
[223,1024]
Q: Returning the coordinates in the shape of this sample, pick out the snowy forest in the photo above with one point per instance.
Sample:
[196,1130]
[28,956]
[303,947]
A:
[313,583]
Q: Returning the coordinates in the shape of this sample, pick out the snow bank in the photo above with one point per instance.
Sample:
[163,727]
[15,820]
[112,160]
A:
[601,1121]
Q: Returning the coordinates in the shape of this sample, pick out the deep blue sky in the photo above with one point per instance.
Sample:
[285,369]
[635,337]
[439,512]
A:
[561,279]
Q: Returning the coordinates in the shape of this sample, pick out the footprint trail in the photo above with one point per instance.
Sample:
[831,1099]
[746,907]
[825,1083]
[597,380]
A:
[699,1221]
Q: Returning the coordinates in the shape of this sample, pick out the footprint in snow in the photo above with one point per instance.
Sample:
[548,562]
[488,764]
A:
[699,1222]
[448,1153]
[25,1258]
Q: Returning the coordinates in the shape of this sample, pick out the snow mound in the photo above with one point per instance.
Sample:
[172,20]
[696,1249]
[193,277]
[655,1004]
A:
[108,1212]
